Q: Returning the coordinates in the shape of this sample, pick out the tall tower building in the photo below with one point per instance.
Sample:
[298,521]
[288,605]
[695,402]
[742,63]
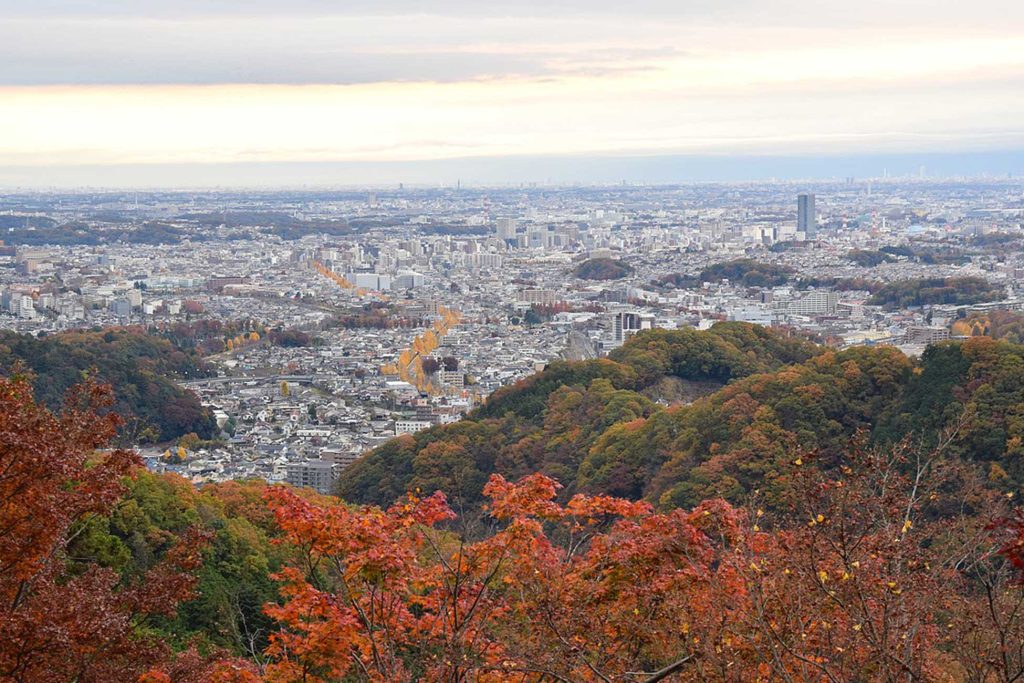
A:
[806,218]
[506,229]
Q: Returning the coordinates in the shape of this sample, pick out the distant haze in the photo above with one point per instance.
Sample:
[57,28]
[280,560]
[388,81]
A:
[276,92]
[521,170]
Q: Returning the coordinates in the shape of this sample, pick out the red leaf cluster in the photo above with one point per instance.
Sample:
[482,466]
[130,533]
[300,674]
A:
[60,622]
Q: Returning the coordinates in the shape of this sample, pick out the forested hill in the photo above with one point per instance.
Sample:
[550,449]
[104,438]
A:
[598,426]
[140,367]
[552,421]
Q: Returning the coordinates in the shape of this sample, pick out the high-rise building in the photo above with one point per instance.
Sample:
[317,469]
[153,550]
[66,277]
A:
[26,307]
[536,239]
[806,218]
[340,457]
[625,324]
[506,229]
[122,308]
[407,279]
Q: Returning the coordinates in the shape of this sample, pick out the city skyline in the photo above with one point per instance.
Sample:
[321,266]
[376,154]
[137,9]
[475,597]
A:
[548,171]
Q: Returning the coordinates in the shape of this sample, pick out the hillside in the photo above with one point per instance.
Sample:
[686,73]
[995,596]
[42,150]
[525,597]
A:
[111,573]
[551,422]
[139,366]
[950,290]
[897,562]
[602,269]
[594,426]
[868,258]
[744,271]
[748,272]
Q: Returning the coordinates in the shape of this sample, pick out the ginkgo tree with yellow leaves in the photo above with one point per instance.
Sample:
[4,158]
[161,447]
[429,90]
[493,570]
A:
[409,366]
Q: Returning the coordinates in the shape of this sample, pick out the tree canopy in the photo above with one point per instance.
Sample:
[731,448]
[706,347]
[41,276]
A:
[603,269]
[853,559]
[140,367]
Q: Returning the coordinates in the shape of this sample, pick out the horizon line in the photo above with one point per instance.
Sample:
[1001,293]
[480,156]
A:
[553,170]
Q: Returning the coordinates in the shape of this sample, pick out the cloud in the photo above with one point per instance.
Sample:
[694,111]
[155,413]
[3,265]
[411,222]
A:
[337,50]
[735,12]
[148,81]
[46,42]
[577,115]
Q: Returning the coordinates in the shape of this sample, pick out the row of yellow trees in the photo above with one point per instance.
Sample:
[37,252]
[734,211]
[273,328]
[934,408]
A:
[976,327]
[241,340]
[339,280]
[409,366]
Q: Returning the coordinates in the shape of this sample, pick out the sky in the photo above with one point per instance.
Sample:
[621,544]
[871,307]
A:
[177,89]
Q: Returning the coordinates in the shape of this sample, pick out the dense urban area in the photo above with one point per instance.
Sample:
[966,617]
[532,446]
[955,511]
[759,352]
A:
[289,332]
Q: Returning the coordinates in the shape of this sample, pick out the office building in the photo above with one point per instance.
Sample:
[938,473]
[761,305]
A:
[625,324]
[816,303]
[411,426]
[452,378]
[506,229]
[806,218]
[407,279]
[927,335]
[339,458]
[121,307]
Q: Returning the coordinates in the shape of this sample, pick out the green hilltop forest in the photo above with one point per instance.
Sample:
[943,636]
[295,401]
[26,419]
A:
[748,272]
[139,367]
[603,426]
[603,269]
[745,271]
[868,258]
[936,290]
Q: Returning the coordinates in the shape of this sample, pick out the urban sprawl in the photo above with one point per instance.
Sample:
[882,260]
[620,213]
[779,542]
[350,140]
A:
[365,315]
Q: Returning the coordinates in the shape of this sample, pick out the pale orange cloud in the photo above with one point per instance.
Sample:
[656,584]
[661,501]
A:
[410,86]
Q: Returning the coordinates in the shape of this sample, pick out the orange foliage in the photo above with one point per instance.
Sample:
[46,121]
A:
[604,589]
[866,574]
[61,621]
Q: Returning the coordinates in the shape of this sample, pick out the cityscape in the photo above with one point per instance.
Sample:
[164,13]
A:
[518,341]
[343,288]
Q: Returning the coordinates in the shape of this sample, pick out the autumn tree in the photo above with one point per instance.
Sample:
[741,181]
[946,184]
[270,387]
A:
[64,619]
[1014,547]
[866,571]
[885,566]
